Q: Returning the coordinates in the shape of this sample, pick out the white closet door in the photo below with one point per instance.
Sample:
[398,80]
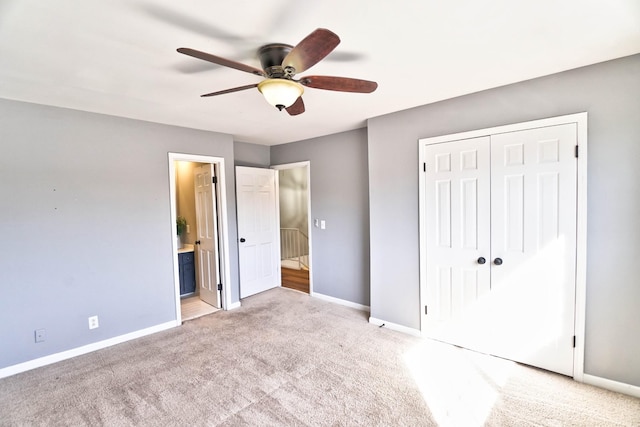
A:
[533,234]
[457,221]
[511,199]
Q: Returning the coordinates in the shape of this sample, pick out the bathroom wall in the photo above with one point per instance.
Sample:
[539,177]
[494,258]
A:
[185,198]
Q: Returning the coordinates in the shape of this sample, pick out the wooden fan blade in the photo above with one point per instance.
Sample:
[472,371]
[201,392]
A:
[311,50]
[340,84]
[221,61]
[235,89]
[296,108]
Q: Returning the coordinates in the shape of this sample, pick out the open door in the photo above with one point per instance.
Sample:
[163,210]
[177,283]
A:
[206,247]
[259,240]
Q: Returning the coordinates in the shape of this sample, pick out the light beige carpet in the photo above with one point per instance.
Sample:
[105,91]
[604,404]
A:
[287,359]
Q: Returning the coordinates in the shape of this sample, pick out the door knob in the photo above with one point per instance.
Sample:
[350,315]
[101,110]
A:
[481,260]
[197,242]
[242,240]
[497,261]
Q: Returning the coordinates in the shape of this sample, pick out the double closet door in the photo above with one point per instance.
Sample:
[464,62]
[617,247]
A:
[500,220]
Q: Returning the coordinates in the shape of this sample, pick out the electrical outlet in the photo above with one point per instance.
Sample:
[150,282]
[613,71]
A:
[93,322]
[40,334]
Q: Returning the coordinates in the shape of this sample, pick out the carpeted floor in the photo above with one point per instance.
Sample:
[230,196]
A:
[286,359]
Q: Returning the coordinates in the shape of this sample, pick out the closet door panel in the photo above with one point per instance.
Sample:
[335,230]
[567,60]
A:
[533,221]
[457,221]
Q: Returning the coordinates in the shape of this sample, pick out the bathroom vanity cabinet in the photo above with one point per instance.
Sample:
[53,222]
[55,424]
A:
[187,272]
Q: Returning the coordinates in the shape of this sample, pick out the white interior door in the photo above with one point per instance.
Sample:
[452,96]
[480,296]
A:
[533,222]
[207,235]
[458,246]
[258,230]
[509,198]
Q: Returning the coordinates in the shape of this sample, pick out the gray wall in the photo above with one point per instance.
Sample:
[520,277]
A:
[610,93]
[339,195]
[254,155]
[85,225]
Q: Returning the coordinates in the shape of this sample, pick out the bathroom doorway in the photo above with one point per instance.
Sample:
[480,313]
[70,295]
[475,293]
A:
[201,267]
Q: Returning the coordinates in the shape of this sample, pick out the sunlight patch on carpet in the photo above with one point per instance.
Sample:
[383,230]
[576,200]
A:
[460,386]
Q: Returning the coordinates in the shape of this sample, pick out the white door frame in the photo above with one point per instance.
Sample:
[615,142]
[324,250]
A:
[305,164]
[225,270]
[580,119]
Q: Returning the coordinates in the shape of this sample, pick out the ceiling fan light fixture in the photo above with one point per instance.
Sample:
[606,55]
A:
[281,93]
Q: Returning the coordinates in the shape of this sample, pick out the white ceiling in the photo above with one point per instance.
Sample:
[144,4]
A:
[119,57]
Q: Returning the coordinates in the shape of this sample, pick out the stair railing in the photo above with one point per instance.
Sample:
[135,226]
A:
[294,245]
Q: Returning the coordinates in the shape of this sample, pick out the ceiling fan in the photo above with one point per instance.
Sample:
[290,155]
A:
[281,62]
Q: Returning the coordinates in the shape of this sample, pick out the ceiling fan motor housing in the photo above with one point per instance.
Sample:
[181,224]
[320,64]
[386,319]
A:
[271,58]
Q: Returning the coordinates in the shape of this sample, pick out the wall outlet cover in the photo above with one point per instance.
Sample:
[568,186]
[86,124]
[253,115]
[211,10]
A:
[93,322]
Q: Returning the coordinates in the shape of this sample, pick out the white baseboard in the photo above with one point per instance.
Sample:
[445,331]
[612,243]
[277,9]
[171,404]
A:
[68,354]
[234,305]
[395,327]
[619,387]
[341,302]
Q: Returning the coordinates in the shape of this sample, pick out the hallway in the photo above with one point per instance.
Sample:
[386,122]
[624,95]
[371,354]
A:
[295,279]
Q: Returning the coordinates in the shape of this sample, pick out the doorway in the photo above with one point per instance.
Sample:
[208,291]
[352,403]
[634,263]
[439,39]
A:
[201,261]
[294,201]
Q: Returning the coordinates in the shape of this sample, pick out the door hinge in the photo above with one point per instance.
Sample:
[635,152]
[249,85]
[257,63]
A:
[214,179]
[424,167]
[574,341]
[576,151]
[425,310]
[219,286]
